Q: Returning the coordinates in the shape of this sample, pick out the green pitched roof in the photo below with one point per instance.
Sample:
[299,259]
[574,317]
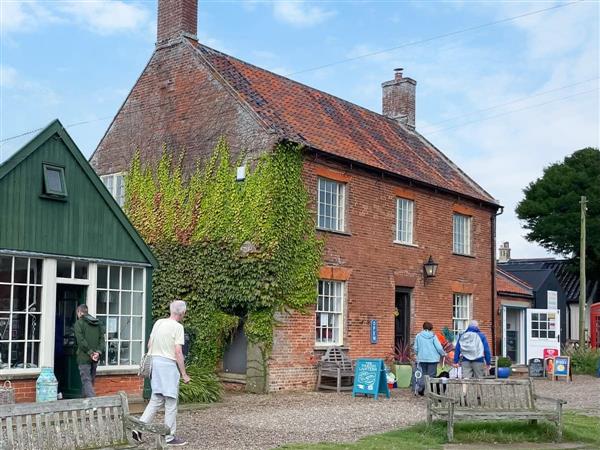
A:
[25,180]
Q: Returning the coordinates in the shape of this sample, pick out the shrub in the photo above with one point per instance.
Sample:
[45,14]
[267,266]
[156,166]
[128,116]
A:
[584,360]
[205,387]
[504,361]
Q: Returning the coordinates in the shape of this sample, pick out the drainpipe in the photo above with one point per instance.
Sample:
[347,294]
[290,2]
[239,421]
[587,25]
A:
[493,249]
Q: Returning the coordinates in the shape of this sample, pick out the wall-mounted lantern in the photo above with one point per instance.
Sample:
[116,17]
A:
[430,268]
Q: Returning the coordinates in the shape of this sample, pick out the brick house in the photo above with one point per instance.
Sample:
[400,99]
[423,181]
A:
[385,199]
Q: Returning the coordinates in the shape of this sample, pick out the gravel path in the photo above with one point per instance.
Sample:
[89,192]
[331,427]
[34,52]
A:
[244,421]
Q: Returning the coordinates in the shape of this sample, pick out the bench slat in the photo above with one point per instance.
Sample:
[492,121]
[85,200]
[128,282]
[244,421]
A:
[59,405]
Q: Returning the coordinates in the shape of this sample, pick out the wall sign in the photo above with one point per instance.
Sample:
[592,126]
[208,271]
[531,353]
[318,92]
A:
[370,378]
[536,367]
[552,297]
[373,332]
[550,353]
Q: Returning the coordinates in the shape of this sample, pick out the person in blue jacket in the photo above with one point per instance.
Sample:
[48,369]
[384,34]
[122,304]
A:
[429,350]
[472,350]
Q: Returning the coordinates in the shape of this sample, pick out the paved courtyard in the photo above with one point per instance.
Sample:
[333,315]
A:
[245,421]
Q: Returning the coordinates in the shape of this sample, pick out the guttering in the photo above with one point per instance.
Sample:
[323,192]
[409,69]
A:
[493,254]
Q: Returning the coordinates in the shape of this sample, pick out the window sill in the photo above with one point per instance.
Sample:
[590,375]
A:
[323,347]
[62,198]
[326,230]
[463,255]
[118,370]
[19,374]
[405,244]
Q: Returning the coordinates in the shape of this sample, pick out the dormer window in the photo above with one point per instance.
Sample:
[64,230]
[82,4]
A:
[115,183]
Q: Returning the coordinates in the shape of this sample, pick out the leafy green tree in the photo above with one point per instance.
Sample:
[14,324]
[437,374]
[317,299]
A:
[551,208]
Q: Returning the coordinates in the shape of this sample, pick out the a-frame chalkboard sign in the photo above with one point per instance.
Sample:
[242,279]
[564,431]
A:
[370,378]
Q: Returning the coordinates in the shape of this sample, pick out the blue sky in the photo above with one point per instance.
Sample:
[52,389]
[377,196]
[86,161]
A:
[502,101]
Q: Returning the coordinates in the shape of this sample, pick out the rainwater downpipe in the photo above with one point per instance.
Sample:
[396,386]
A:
[493,250]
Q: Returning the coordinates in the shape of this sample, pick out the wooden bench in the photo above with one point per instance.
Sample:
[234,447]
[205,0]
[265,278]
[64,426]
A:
[99,422]
[335,364]
[472,399]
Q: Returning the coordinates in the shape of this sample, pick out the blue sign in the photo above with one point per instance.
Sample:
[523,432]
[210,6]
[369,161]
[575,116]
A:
[373,332]
[370,378]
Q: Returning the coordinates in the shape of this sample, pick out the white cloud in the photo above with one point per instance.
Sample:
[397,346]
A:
[299,13]
[21,16]
[106,17]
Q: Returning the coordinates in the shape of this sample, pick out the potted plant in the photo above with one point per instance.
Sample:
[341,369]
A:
[503,366]
[403,364]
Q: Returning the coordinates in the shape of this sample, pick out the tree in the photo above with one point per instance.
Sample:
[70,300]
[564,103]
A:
[551,209]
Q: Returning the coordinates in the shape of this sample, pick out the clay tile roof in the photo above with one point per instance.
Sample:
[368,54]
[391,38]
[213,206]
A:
[510,284]
[324,122]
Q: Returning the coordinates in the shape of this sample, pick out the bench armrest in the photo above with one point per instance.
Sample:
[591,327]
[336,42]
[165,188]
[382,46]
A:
[441,398]
[132,423]
[550,399]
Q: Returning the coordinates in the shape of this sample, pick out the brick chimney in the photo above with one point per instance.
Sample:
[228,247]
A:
[399,99]
[177,18]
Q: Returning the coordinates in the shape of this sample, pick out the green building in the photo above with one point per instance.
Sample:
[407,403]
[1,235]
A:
[65,241]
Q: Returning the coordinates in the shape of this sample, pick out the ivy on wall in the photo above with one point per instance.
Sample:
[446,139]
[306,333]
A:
[232,250]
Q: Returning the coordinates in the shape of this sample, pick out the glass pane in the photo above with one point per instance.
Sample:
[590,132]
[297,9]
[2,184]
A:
[81,270]
[543,316]
[115,273]
[138,279]
[136,352]
[20,270]
[35,299]
[102,276]
[101,302]
[102,320]
[3,355]
[33,327]
[17,355]
[126,278]
[551,334]
[18,327]
[137,303]
[19,298]
[5,269]
[535,333]
[124,355]
[125,328]
[35,271]
[112,327]
[126,303]
[63,269]
[4,327]
[113,302]
[54,180]
[136,332]
[33,355]
[4,297]
[112,353]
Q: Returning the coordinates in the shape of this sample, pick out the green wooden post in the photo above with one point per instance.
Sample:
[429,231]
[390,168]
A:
[149,321]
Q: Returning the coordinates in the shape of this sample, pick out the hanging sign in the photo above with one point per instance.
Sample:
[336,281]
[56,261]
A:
[552,297]
[536,367]
[373,332]
[370,378]
[562,367]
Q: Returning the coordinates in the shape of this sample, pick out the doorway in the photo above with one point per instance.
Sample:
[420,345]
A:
[235,359]
[513,337]
[68,297]
[402,313]
[543,331]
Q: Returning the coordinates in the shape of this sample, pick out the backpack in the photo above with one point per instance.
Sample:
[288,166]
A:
[471,347]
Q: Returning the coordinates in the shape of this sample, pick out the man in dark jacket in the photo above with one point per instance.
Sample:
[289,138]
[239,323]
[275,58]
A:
[90,343]
[472,351]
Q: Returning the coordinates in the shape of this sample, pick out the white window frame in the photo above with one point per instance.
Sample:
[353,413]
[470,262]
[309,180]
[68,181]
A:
[461,234]
[537,319]
[119,316]
[462,312]
[112,182]
[336,221]
[405,213]
[29,316]
[329,290]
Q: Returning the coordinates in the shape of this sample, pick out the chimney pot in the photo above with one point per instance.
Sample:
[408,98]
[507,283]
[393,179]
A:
[398,100]
[177,18]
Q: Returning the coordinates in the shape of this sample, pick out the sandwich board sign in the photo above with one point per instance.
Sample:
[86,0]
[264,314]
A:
[370,378]
[536,367]
[562,367]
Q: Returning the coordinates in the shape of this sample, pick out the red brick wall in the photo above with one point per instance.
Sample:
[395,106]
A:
[177,103]
[378,266]
[175,17]
[105,385]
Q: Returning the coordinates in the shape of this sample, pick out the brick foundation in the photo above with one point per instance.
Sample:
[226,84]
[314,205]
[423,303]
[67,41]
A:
[105,385]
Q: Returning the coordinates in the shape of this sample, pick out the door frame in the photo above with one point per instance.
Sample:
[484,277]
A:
[523,333]
[409,293]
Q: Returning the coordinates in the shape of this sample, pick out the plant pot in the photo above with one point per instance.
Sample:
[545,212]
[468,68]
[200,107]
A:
[403,375]
[504,372]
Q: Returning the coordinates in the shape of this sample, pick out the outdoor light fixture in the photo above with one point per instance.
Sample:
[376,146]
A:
[430,268]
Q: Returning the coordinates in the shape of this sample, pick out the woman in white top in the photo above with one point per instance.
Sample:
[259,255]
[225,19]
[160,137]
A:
[165,345]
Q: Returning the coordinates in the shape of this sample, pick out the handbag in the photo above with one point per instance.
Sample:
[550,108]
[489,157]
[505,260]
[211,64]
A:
[7,393]
[145,370]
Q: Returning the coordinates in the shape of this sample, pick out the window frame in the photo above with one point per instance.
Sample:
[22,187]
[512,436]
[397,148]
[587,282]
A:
[536,321]
[468,306]
[340,206]
[464,230]
[339,314]
[410,221]
[114,186]
[51,193]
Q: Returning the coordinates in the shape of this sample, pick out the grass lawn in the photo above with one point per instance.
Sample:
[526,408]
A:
[578,428]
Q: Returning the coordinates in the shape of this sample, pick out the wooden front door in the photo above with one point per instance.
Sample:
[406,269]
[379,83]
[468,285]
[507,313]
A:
[402,312]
